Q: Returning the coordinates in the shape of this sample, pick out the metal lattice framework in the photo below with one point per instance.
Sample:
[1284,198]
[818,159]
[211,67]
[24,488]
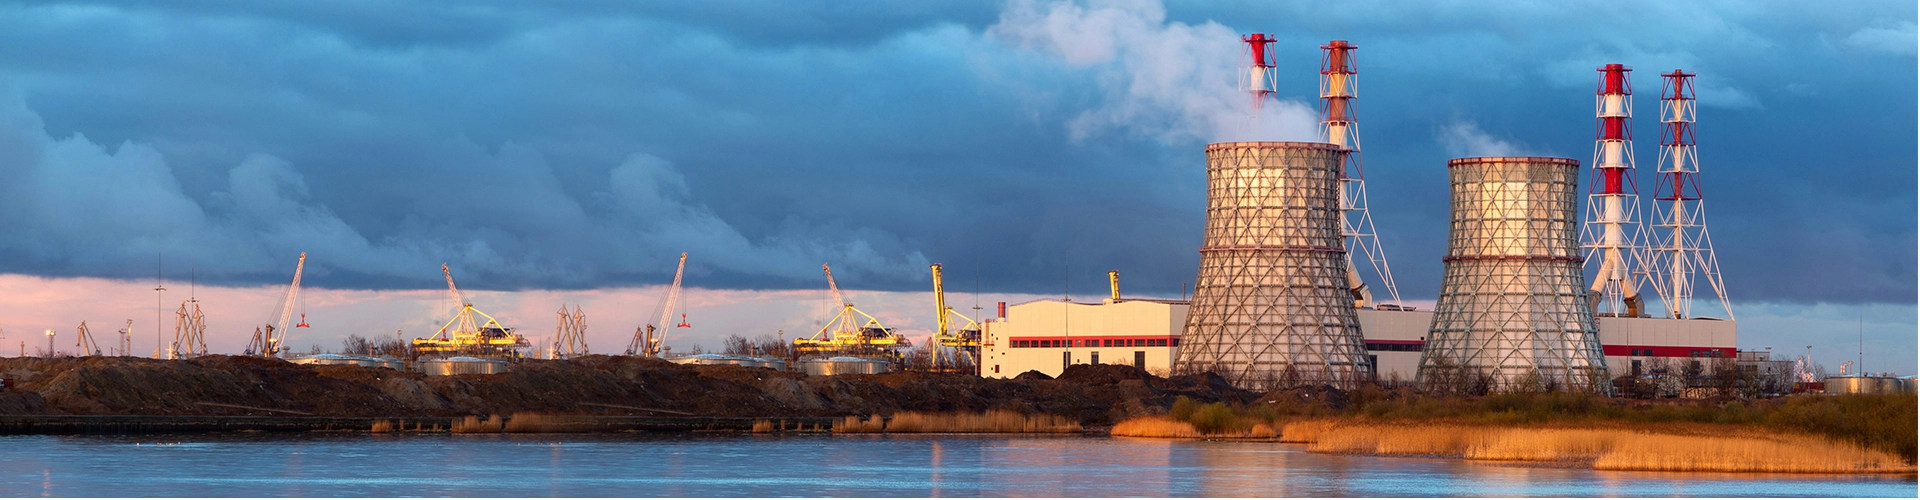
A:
[1271,306]
[1512,313]
[1680,249]
[570,333]
[189,332]
[1339,125]
[1612,236]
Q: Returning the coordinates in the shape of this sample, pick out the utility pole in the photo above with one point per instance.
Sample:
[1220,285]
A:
[159,303]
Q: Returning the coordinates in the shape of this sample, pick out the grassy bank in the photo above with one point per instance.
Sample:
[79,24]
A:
[1877,422]
[1824,434]
[1190,419]
[1688,448]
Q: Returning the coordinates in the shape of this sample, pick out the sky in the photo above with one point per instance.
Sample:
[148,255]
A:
[570,151]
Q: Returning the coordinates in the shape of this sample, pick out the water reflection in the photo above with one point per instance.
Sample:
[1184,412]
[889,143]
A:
[763,466]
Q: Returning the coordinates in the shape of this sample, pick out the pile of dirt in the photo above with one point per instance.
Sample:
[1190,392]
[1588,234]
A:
[1102,374]
[591,385]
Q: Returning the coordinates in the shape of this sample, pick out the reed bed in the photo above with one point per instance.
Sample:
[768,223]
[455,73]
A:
[988,422]
[1155,427]
[853,424]
[473,424]
[1163,427]
[991,422]
[1599,448]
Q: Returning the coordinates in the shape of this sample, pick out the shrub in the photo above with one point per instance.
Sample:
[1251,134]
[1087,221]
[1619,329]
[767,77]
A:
[1214,418]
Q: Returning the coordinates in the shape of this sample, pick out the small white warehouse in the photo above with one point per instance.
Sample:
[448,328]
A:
[1048,335]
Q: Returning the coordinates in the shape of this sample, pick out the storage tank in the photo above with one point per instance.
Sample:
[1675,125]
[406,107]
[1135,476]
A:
[845,365]
[461,365]
[1271,306]
[1859,384]
[722,359]
[340,359]
[1513,312]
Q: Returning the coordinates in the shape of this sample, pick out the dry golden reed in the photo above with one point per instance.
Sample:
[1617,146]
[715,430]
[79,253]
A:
[1154,427]
[968,423]
[473,424]
[1163,427]
[1605,449]
[852,424]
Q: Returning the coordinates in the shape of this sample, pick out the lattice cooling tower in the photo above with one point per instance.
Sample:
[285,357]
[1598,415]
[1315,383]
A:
[1513,312]
[1271,306]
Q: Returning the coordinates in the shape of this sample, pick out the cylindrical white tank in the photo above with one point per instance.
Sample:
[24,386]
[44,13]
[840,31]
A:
[845,365]
[461,365]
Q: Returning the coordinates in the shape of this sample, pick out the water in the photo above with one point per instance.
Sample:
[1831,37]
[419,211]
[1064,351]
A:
[269,465]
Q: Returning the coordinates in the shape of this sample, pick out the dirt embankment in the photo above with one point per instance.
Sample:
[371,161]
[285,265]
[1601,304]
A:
[593,385]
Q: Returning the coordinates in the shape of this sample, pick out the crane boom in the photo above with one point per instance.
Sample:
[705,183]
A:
[458,302]
[832,287]
[673,292]
[279,334]
[940,303]
[645,342]
[293,293]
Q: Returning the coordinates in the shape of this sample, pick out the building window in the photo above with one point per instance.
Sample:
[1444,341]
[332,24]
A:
[1176,342]
[1106,343]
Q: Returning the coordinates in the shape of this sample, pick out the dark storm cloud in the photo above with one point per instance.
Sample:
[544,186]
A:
[586,144]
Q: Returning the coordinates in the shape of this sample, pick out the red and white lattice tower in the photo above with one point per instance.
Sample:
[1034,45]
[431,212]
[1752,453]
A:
[1680,249]
[1339,126]
[1612,237]
[1258,82]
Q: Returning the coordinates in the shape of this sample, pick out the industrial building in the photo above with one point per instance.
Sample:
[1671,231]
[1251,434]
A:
[1394,339]
[1279,297]
[1048,335]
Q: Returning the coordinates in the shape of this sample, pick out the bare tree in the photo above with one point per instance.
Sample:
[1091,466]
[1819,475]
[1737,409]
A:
[736,345]
[355,345]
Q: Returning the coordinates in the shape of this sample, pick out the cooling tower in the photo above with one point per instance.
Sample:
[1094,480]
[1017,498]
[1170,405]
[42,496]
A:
[1513,311]
[1271,306]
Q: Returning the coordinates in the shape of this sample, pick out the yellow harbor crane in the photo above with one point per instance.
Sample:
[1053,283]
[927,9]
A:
[845,334]
[466,334]
[965,342]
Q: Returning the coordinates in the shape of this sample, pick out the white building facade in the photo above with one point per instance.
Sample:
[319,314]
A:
[1048,335]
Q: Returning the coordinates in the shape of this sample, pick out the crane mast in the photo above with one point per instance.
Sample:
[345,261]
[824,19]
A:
[966,341]
[940,309]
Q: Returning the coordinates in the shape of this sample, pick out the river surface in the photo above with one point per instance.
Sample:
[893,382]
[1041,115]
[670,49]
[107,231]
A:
[318,465]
